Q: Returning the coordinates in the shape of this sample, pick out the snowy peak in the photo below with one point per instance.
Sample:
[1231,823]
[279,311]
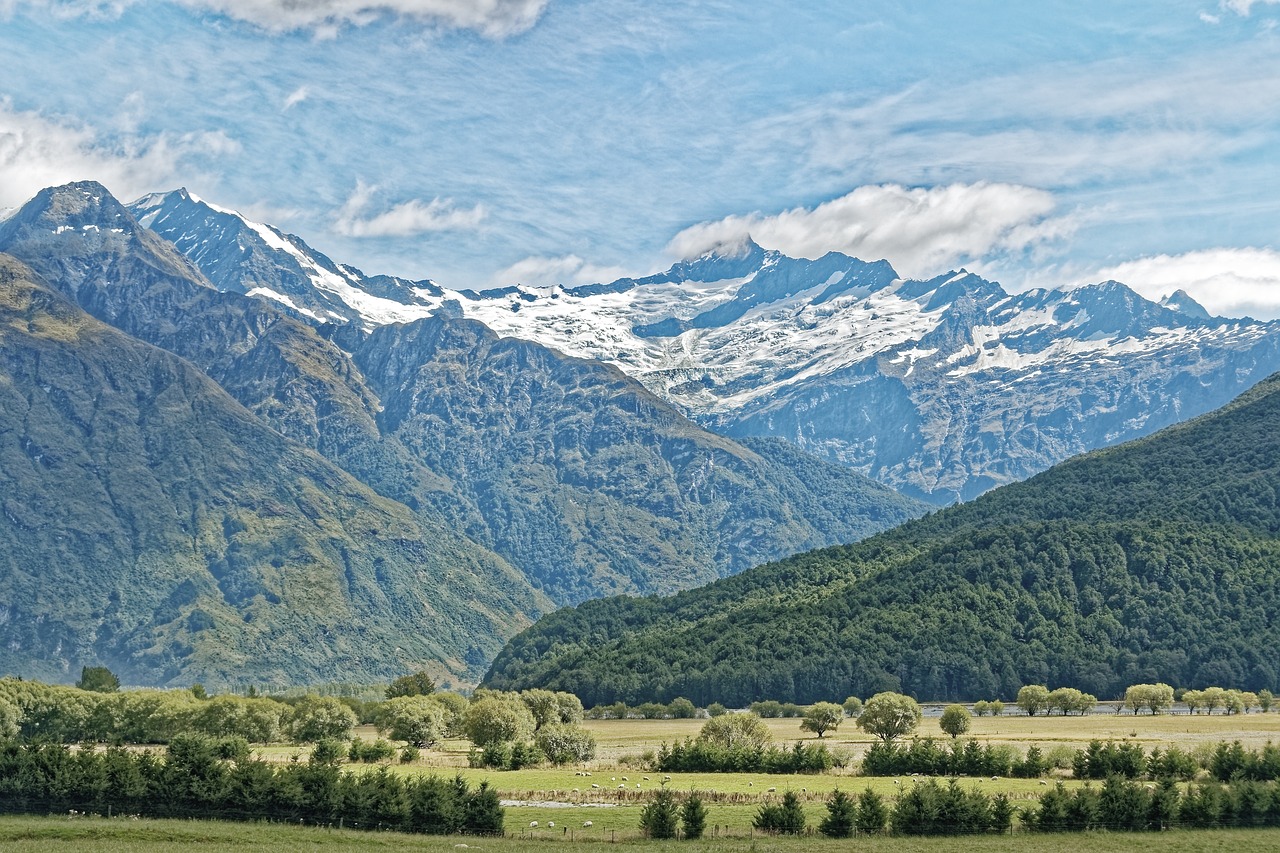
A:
[86,207]
[1182,302]
[242,256]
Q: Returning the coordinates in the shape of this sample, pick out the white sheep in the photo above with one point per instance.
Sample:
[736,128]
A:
[587,823]
[532,824]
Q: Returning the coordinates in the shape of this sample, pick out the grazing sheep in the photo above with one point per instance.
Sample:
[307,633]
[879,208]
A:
[1043,782]
[587,823]
[594,785]
[896,782]
[646,778]
[532,824]
[771,790]
[551,823]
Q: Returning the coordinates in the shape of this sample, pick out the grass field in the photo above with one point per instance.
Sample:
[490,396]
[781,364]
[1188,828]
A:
[89,835]
[563,796]
[562,800]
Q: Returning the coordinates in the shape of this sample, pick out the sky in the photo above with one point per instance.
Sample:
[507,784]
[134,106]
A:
[489,142]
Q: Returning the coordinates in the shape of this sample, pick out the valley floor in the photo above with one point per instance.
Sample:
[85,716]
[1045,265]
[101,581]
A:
[99,835]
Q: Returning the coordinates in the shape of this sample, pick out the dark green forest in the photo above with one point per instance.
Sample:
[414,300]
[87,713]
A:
[1153,561]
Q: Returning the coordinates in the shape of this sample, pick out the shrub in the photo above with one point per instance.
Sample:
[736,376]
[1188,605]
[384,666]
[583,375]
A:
[693,816]
[658,818]
[841,812]
[565,744]
[786,818]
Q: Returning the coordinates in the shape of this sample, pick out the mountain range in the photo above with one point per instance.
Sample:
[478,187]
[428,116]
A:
[232,489]
[941,388]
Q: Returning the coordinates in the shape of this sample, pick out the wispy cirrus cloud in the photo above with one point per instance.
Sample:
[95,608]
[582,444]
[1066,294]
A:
[68,9]
[491,18]
[918,230]
[405,219]
[296,97]
[37,151]
[1243,8]
[1228,281]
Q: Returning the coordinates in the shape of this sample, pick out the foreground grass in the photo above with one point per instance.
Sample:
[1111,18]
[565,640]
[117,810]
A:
[90,835]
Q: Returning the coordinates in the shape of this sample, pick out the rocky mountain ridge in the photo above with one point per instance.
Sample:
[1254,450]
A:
[942,388]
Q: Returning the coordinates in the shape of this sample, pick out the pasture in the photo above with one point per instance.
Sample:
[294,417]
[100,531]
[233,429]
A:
[96,835]
[619,784]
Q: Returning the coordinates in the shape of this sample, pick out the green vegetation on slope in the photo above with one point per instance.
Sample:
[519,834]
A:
[1153,561]
[150,522]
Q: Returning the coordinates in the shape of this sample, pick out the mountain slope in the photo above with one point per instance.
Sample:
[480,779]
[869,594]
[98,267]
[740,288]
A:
[153,524]
[1155,560]
[941,388]
[442,417]
[590,483]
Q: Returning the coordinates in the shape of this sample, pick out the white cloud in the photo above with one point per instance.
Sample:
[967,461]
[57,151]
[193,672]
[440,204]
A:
[38,152]
[546,271]
[296,97]
[1210,19]
[492,18]
[1228,282]
[1245,7]
[404,219]
[920,231]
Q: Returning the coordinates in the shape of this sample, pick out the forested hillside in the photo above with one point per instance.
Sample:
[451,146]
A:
[1155,560]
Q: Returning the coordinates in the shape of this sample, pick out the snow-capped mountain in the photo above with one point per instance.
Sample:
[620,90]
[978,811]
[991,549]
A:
[242,256]
[943,388]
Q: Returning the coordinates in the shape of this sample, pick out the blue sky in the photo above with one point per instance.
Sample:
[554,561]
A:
[481,142]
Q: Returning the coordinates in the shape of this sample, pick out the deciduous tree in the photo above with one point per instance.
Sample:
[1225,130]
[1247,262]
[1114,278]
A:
[889,716]
[821,718]
[955,720]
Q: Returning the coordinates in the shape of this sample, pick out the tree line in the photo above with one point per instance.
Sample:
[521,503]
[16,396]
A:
[210,778]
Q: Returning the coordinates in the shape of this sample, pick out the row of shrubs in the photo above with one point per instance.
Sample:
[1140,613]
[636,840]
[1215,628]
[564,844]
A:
[739,753]
[1121,804]
[208,778]
[703,756]
[931,808]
